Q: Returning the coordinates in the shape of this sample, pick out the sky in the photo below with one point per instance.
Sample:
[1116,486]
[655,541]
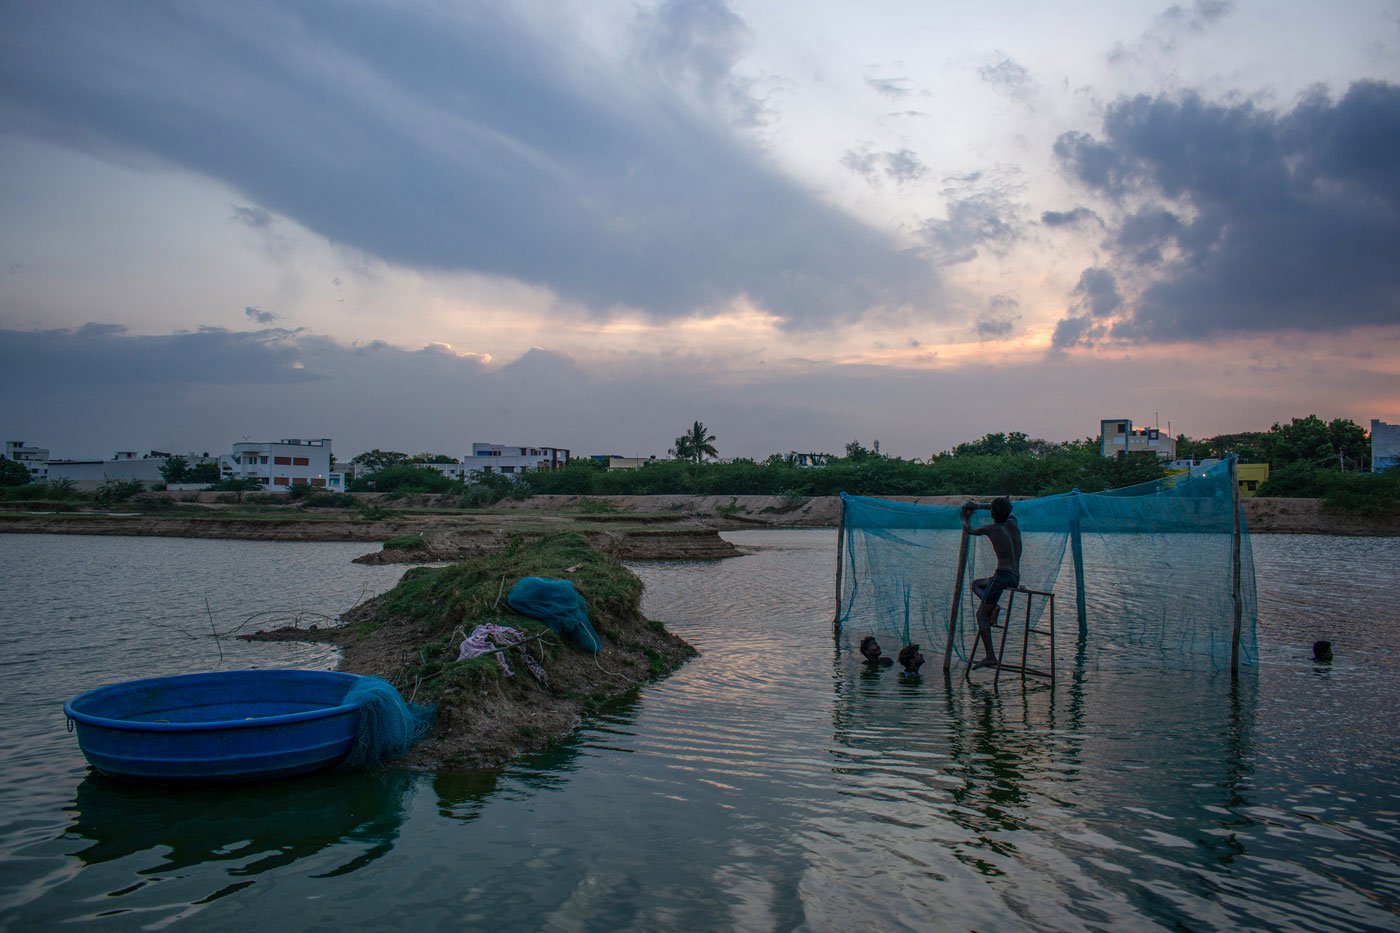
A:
[589,223]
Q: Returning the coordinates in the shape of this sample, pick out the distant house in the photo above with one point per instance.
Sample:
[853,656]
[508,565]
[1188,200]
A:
[501,459]
[35,459]
[1117,435]
[1385,445]
[1249,476]
[123,466]
[619,462]
[279,465]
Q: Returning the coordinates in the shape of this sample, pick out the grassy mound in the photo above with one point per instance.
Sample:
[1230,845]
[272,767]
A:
[411,634]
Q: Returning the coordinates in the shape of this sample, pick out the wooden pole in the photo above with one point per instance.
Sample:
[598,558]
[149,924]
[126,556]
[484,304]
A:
[840,557]
[1235,566]
[957,602]
[1076,543]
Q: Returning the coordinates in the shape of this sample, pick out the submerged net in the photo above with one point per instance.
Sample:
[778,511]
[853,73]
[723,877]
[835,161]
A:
[1157,580]
[388,726]
[557,604]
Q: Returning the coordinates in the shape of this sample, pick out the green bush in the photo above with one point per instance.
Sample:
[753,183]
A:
[404,480]
[331,500]
[117,490]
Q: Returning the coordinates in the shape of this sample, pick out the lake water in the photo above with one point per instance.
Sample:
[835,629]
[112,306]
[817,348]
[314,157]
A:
[769,784]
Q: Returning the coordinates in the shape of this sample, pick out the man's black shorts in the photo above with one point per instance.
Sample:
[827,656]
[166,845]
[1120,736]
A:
[1000,581]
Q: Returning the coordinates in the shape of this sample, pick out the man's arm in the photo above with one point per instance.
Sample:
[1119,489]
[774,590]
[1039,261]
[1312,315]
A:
[968,508]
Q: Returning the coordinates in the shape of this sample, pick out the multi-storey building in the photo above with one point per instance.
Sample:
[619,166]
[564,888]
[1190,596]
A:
[1385,445]
[1117,435]
[280,465]
[35,459]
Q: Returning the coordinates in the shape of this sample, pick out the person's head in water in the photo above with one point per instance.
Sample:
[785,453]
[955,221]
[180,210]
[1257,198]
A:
[912,658]
[1001,509]
[870,648]
[1322,651]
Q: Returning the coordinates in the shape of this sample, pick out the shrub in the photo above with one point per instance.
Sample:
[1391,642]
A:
[117,490]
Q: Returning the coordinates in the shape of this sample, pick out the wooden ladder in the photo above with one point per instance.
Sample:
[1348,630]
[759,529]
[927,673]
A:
[1046,629]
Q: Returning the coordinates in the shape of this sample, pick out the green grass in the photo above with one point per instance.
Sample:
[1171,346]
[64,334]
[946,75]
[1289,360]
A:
[475,590]
[404,542]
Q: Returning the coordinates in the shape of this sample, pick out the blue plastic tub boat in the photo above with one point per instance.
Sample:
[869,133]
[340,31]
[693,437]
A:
[222,726]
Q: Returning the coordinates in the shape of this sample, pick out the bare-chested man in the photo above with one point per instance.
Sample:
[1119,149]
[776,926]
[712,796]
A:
[1005,536]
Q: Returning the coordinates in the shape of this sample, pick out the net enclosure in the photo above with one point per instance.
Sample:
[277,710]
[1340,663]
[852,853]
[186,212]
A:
[1158,574]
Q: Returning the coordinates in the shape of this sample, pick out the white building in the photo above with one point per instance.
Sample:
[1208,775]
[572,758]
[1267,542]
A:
[124,465]
[1117,435]
[1385,445]
[619,462]
[503,459]
[280,465]
[35,459]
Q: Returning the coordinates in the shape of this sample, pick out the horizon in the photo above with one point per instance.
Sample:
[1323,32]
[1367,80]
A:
[592,224]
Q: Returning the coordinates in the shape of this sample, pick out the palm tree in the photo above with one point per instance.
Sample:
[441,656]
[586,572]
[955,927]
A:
[696,444]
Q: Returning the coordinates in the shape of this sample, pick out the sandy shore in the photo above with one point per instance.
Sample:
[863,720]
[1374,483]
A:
[627,527]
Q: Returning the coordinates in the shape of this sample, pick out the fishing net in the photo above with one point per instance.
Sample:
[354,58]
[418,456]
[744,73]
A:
[388,726]
[557,604]
[1156,586]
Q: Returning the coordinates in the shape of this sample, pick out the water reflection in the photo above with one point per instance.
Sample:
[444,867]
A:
[246,829]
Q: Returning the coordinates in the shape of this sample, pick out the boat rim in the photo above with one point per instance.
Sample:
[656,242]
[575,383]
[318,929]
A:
[137,725]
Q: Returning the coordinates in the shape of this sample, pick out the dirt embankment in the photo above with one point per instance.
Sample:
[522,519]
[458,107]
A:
[629,527]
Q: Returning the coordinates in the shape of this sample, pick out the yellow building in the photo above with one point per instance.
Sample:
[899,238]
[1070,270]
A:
[1250,476]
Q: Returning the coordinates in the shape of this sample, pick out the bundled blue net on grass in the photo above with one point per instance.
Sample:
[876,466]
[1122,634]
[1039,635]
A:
[388,726]
[557,604]
[1157,584]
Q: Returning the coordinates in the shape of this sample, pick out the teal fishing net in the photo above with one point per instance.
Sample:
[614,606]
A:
[558,605]
[1157,578]
[388,726]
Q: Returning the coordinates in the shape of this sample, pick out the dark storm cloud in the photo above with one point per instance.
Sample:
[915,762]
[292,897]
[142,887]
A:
[109,357]
[1257,220]
[1076,331]
[457,137]
[1067,218]
[1000,318]
[1097,293]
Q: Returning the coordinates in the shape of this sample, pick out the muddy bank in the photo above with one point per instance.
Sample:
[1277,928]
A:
[1263,516]
[444,537]
[669,527]
[410,637]
[689,542]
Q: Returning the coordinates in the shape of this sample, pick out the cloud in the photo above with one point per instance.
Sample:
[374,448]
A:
[462,137]
[1008,77]
[893,88]
[695,45]
[980,218]
[99,388]
[1097,293]
[259,316]
[1000,318]
[107,356]
[1067,218]
[1174,24]
[1238,219]
[1075,331]
[254,217]
[902,166]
